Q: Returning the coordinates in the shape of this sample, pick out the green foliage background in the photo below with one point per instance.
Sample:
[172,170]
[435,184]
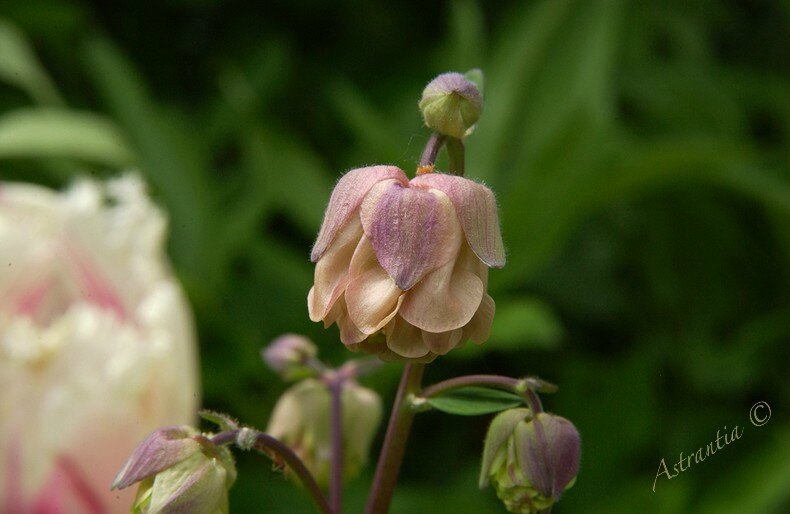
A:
[640,155]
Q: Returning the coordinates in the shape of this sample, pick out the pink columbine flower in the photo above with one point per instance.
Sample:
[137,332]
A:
[402,265]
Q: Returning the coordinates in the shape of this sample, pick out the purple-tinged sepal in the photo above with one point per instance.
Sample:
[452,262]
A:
[162,449]
[346,199]
[413,231]
[475,206]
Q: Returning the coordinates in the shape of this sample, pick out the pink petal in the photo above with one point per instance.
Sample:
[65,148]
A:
[475,206]
[479,328]
[412,231]
[447,298]
[331,271]
[404,339]
[371,296]
[346,198]
[443,342]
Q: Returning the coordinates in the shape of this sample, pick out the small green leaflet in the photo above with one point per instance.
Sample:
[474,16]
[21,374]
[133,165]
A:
[474,401]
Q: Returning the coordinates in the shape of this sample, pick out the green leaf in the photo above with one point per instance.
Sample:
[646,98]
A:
[474,401]
[20,67]
[60,133]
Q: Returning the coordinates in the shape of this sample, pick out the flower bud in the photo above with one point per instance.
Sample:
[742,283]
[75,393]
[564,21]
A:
[301,419]
[288,354]
[179,470]
[530,460]
[451,104]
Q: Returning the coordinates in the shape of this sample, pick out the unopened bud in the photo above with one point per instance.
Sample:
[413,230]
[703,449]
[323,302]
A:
[179,470]
[531,460]
[302,420]
[288,355]
[451,104]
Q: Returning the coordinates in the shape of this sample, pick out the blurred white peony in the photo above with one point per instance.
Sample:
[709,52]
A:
[97,345]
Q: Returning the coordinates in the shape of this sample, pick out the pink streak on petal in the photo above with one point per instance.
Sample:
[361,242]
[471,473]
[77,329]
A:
[52,498]
[95,287]
[65,485]
[30,300]
[80,487]
[14,500]
[412,231]
[346,198]
[476,207]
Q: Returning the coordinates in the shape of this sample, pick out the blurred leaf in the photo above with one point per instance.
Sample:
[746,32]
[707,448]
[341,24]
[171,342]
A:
[288,176]
[474,401]
[466,42]
[368,126]
[758,485]
[523,323]
[59,133]
[20,67]
[170,156]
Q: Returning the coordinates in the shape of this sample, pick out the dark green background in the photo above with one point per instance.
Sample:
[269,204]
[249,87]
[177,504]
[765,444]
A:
[639,151]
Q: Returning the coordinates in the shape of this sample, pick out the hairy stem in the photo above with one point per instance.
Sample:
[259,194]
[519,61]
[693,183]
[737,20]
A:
[432,148]
[269,445]
[392,452]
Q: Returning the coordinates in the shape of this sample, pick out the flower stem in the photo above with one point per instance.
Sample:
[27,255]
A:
[507,383]
[269,445]
[431,150]
[533,400]
[394,446]
[336,474]
[455,151]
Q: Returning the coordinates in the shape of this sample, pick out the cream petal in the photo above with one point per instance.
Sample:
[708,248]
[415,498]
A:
[331,271]
[447,298]
[372,299]
[475,206]
[349,333]
[413,231]
[346,198]
[479,328]
[404,339]
[443,342]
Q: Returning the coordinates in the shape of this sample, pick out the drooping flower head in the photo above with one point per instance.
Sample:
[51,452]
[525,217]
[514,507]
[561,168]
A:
[402,265]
